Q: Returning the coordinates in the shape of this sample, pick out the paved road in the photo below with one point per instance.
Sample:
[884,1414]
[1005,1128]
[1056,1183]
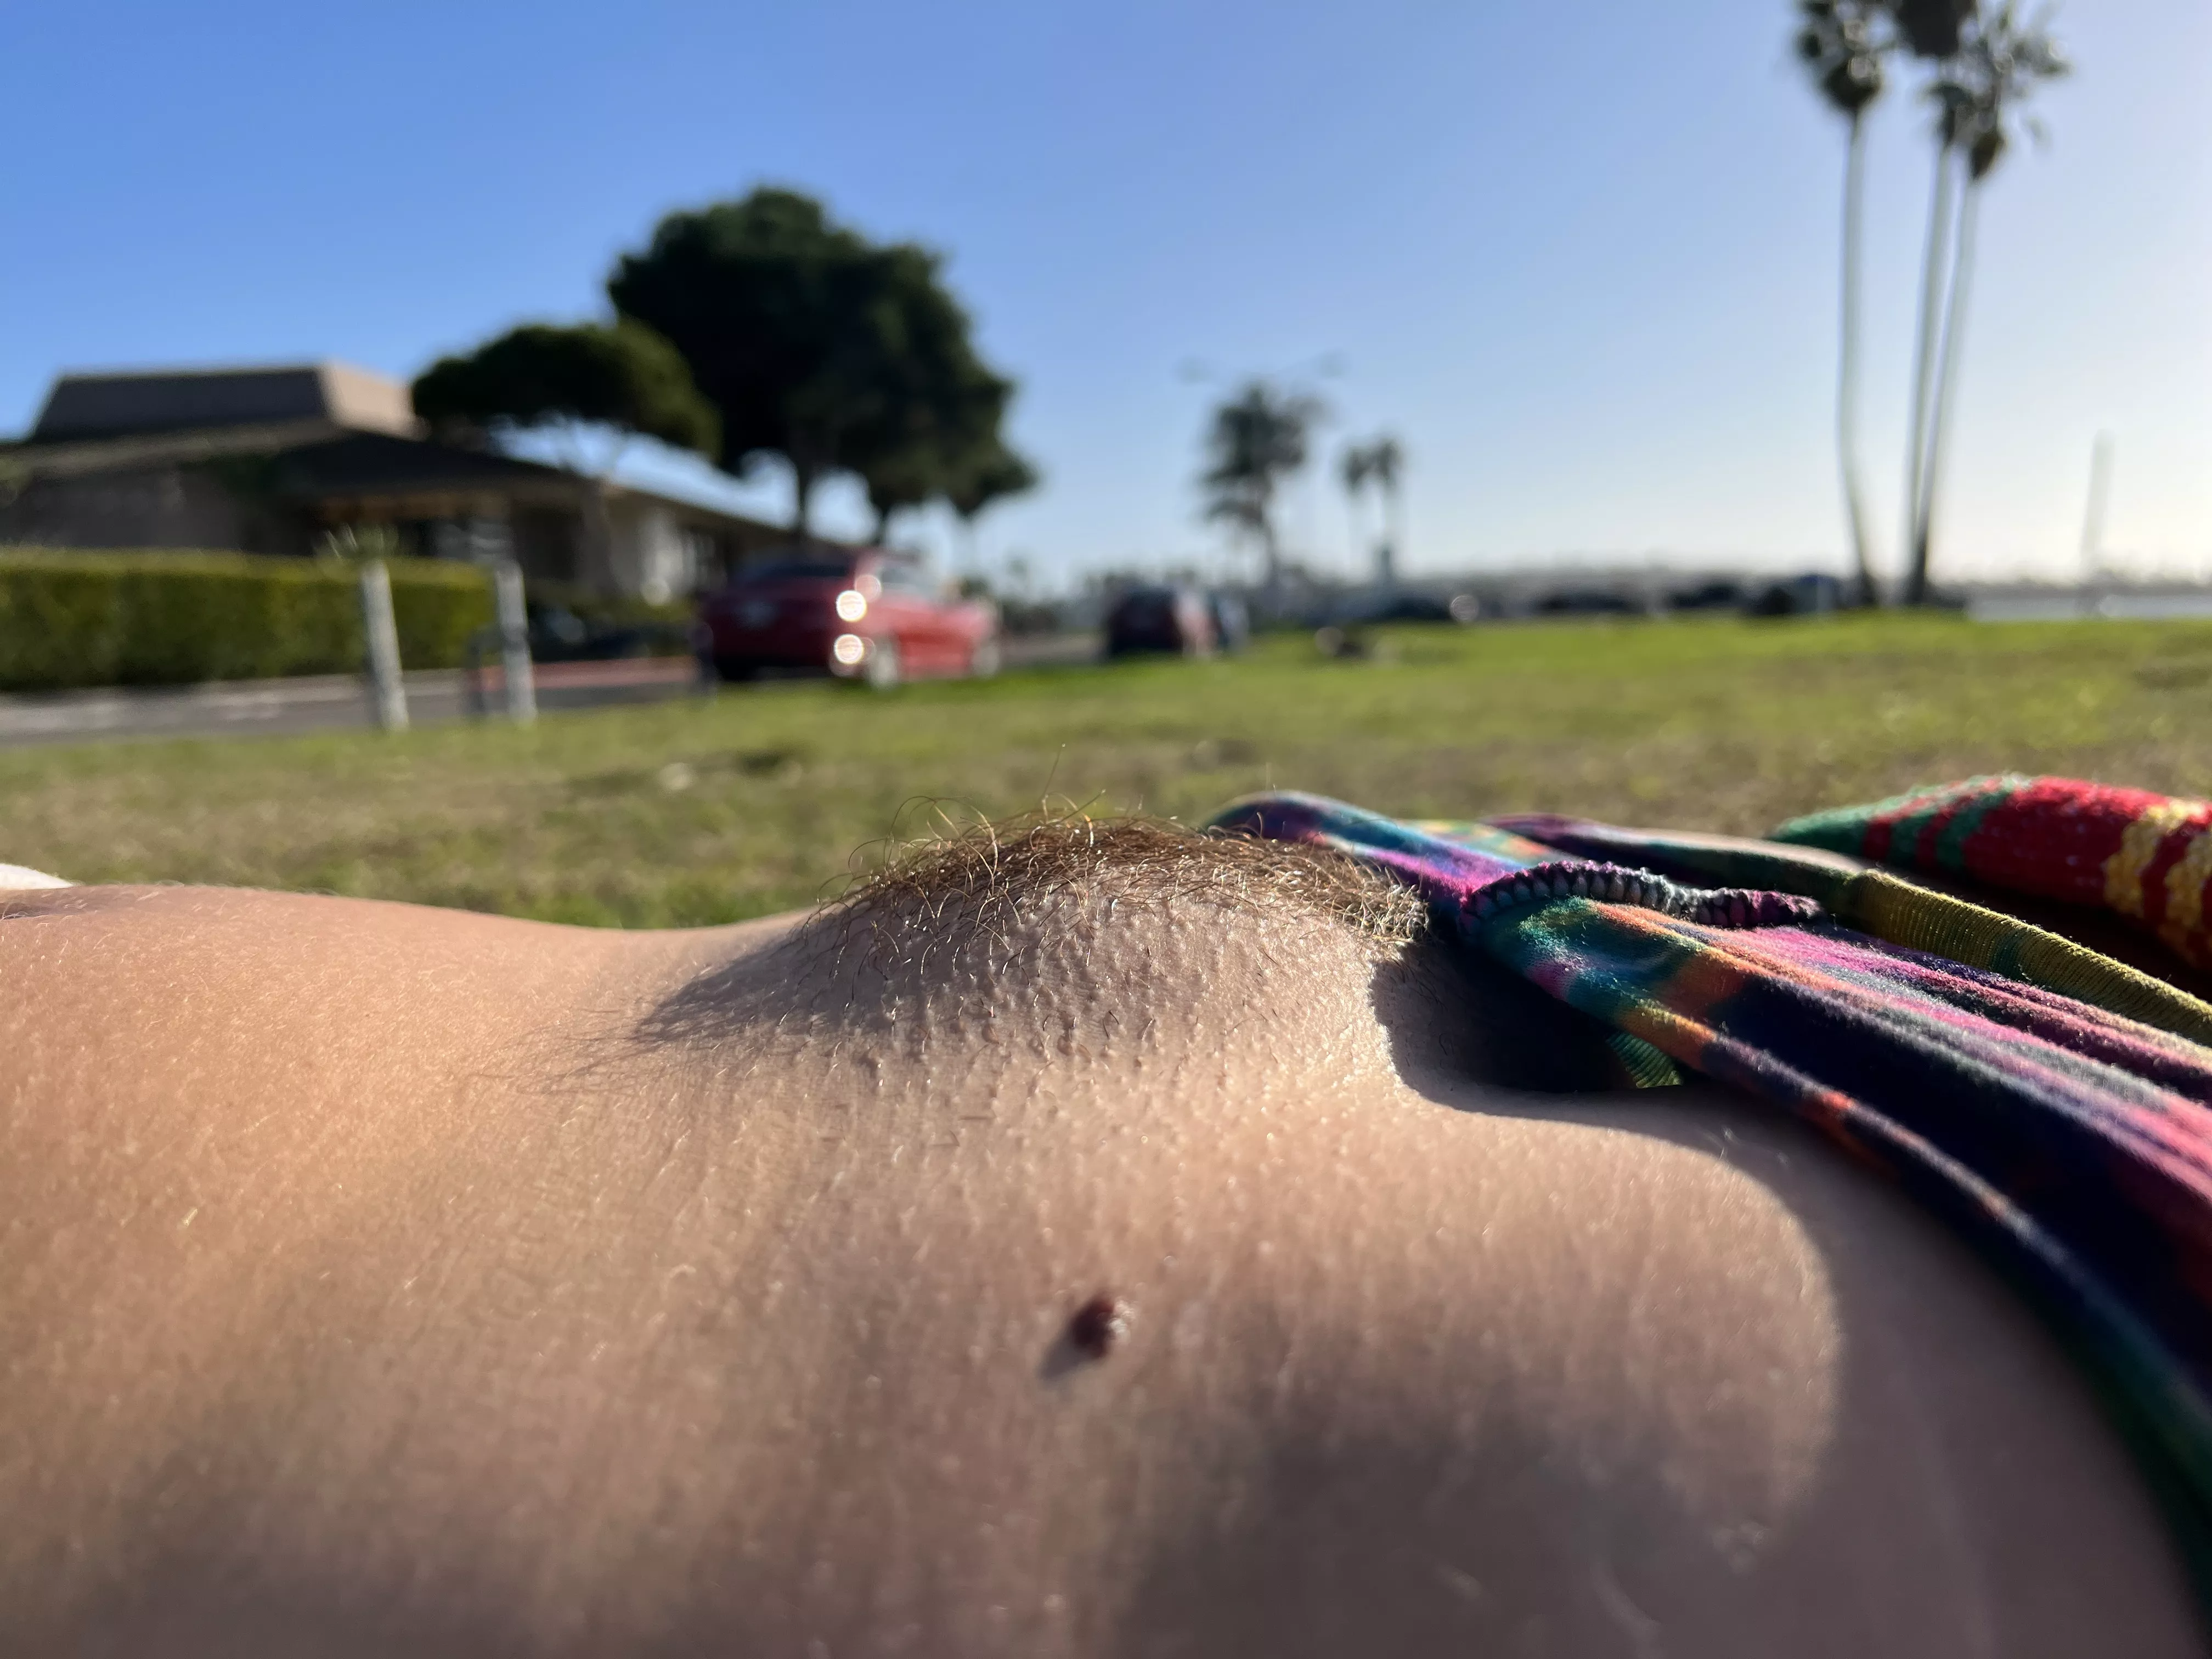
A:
[340,702]
[326,702]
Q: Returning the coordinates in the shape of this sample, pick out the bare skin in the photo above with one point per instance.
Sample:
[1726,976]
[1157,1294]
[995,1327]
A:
[375,1279]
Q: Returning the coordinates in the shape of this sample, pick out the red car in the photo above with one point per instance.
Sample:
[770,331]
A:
[871,616]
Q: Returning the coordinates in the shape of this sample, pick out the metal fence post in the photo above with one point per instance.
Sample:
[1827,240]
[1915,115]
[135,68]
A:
[387,691]
[515,643]
[474,703]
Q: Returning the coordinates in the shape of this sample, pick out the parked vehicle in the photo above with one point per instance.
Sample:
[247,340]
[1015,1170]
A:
[1591,602]
[871,615]
[1813,594]
[1398,605]
[1175,620]
[1720,593]
[559,635]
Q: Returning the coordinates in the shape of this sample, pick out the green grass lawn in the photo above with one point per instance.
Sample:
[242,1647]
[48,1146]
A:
[763,798]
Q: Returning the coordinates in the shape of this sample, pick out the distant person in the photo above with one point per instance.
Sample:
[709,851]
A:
[1102,1239]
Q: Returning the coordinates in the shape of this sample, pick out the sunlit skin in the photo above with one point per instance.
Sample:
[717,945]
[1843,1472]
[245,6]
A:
[377,1279]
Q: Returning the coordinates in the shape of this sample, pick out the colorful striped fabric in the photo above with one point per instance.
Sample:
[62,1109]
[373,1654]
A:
[2068,1139]
[2145,856]
[1901,912]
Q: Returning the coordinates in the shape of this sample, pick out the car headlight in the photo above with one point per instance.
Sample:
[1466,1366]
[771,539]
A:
[852,605]
[849,649]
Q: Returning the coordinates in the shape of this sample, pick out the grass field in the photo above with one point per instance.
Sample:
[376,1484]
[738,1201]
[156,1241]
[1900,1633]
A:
[763,798]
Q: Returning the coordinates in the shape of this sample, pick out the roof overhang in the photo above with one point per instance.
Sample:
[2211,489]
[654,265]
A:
[89,455]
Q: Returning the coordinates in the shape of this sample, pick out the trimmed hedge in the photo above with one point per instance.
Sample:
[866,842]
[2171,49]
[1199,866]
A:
[161,618]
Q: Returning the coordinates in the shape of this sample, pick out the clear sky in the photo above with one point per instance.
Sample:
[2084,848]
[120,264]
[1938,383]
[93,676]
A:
[1581,258]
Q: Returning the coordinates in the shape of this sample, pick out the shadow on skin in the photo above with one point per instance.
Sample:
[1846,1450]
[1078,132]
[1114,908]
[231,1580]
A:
[1966,1471]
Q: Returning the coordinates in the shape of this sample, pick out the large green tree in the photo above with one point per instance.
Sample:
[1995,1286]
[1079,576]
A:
[592,386]
[817,346]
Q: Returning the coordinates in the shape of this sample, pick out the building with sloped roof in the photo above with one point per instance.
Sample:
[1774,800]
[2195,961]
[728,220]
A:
[276,459]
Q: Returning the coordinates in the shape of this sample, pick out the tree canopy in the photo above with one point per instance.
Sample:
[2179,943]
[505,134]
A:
[621,375]
[930,432]
[1841,43]
[990,474]
[1997,69]
[953,454]
[1933,28]
[819,347]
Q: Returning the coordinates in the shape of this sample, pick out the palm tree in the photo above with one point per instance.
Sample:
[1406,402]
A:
[1381,462]
[1998,67]
[1933,30]
[1841,43]
[1386,463]
[1352,467]
[1258,437]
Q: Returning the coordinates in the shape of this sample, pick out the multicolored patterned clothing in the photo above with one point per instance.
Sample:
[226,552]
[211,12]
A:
[2141,855]
[2055,1105]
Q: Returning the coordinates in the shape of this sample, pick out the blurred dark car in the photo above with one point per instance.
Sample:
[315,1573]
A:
[1814,594]
[869,616]
[1721,593]
[1150,620]
[559,635]
[1401,605]
[1589,602]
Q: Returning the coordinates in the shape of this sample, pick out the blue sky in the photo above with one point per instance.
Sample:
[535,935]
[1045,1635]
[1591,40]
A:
[1582,258]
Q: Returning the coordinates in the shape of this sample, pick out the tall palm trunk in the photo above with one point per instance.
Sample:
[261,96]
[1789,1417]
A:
[1272,551]
[1924,373]
[1386,557]
[1954,334]
[1847,366]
